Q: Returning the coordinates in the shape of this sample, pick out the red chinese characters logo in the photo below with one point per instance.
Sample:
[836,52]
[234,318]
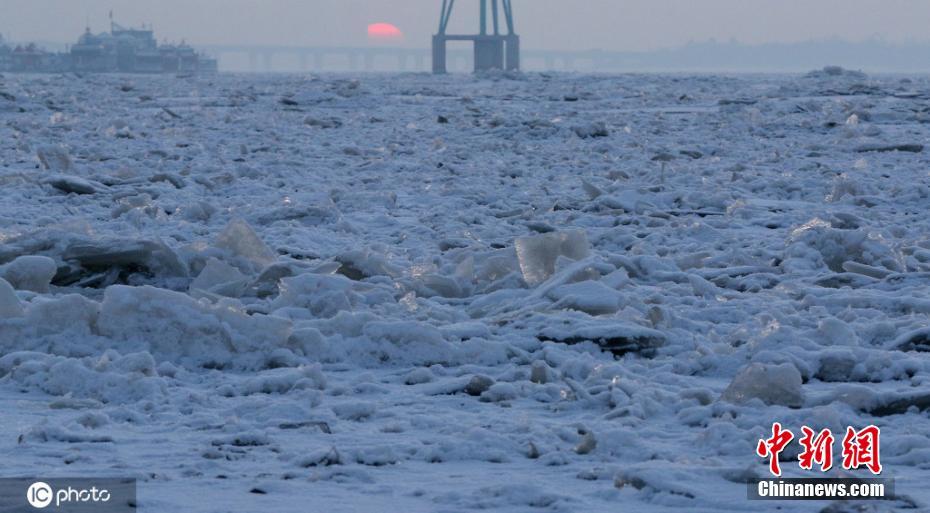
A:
[860,448]
[817,449]
[772,447]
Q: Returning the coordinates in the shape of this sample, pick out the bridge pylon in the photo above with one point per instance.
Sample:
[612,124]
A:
[493,49]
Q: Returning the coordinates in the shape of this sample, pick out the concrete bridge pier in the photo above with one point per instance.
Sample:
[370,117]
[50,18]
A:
[513,53]
[492,49]
[253,61]
[439,54]
[489,53]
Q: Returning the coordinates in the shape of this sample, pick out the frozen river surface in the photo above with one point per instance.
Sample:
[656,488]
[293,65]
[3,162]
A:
[411,293]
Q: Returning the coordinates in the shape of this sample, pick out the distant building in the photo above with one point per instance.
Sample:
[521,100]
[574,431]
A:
[122,50]
[178,59]
[93,53]
[6,55]
[31,59]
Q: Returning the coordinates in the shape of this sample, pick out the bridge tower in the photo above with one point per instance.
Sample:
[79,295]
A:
[493,50]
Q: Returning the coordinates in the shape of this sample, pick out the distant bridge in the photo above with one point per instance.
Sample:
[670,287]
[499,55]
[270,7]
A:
[299,58]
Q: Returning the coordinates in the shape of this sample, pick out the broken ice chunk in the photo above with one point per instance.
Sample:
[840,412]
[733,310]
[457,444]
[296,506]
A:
[430,285]
[902,404]
[311,215]
[591,190]
[9,303]
[866,270]
[54,158]
[239,239]
[419,376]
[627,200]
[773,384]
[541,373]
[836,366]
[591,297]
[196,211]
[73,184]
[176,327]
[478,384]
[588,441]
[123,255]
[834,332]
[886,148]
[356,411]
[917,340]
[30,272]
[365,263]
[220,278]
[500,392]
[815,245]
[330,122]
[617,337]
[267,282]
[538,254]
[590,130]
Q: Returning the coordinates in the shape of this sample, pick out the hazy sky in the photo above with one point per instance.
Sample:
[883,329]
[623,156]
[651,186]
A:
[575,24]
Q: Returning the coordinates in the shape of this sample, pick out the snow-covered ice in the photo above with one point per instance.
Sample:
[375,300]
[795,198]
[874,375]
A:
[536,292]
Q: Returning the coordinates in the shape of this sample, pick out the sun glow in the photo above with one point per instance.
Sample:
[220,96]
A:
[384,32]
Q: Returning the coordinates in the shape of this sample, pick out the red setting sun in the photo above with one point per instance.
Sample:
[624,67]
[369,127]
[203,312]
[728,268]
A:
[384,32]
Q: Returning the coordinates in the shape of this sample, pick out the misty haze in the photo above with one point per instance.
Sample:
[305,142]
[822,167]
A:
[641,35]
